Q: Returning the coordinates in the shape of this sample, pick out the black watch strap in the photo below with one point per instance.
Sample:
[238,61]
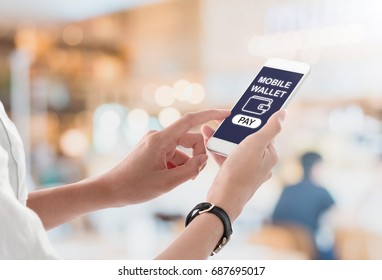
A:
[206,207]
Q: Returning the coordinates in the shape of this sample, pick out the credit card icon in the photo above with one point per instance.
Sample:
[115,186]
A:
[257,105]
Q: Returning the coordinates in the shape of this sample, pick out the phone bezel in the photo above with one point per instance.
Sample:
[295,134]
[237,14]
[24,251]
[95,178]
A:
[224,147]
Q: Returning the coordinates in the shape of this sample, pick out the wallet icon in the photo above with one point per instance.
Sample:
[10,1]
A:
[257,105]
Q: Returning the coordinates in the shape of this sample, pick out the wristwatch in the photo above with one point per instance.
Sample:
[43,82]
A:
[206,207]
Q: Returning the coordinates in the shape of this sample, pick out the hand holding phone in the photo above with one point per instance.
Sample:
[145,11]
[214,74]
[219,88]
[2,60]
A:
[271,90]
[246,169]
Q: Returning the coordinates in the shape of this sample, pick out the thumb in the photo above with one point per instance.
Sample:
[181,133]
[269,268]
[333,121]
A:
[273,127]
[207,132]
[190,169]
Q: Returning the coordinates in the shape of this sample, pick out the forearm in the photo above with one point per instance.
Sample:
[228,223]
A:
[58,205]
[197,241]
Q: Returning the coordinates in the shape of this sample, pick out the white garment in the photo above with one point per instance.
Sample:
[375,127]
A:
[22,235]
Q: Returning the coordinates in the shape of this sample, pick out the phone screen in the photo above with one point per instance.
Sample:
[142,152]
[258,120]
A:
[266,95]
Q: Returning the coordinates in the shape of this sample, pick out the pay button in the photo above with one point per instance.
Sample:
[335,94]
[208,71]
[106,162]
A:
[246,121]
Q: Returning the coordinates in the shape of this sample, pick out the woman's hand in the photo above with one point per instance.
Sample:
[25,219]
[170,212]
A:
[156,165]
[243,171]
[246,168]
[207,132]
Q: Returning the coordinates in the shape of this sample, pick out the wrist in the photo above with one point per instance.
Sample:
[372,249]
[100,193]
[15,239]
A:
[229,201]
[206,208]
[112,194]
[231,195]
[231,206]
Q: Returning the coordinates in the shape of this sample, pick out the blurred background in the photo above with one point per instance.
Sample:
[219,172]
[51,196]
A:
[84,80]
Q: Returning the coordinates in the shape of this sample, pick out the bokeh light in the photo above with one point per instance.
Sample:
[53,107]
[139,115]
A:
[182,90]
[138,119]
[72,35]
[74,143]
[110,121]
[198,94]
[164,96]
[168,116]
[107,121]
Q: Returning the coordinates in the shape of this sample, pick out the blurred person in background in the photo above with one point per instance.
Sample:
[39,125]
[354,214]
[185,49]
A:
[305,203]
[153,168]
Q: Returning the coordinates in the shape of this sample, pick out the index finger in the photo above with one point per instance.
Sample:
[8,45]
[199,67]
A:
[189,120]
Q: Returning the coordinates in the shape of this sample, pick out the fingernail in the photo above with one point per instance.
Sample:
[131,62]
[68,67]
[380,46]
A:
[202,163]
[203,160]
[225,111]
[282,115]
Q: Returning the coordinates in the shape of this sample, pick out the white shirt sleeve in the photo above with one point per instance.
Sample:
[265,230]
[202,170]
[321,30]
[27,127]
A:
[22,235]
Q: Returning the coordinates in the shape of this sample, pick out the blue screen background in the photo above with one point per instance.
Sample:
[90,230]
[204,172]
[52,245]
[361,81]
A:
[235,133]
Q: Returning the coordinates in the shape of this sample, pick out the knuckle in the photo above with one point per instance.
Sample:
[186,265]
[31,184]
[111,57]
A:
[274,157]
[153,137]
[199,138]
[149,132]
[189,117]
[194,170]
[278,127]
[269,176]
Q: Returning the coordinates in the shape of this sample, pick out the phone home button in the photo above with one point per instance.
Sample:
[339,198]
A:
[246,121]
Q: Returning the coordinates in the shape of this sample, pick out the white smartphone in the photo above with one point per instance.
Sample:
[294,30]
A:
[271,90]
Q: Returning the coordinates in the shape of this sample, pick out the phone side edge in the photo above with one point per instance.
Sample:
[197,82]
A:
[297,87]
[220,146]
[288,65]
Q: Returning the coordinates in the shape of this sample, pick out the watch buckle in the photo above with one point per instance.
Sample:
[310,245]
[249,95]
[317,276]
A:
[220,246]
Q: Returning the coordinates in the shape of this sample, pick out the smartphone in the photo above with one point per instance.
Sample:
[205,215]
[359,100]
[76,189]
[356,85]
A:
[271,90]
